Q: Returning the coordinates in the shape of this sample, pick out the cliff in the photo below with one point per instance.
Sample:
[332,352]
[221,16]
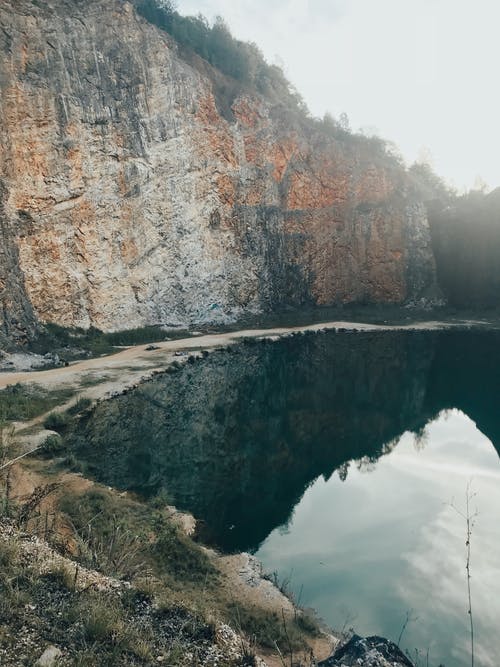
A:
[128,198]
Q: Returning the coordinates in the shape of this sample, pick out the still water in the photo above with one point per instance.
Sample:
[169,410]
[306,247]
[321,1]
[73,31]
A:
[342,460]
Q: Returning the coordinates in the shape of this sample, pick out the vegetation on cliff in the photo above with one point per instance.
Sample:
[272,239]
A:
[245,69]
[242,61]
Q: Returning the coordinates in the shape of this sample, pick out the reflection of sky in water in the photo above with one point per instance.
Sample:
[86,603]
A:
[384,542]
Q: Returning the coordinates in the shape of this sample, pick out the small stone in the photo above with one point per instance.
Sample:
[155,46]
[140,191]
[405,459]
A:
[160,658]
[49,657]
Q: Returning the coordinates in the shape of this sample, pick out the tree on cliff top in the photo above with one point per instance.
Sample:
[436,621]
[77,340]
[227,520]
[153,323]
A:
[242,61]
[246,68]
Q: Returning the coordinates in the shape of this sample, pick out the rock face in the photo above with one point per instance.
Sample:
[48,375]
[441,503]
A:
[369,652]
[17,320]
[128,199]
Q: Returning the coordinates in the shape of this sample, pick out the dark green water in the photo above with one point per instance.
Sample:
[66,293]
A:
[335,457]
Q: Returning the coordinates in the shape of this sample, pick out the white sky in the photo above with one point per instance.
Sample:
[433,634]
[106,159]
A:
[422,73]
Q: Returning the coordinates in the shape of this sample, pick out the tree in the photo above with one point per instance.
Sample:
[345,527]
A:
[344,122]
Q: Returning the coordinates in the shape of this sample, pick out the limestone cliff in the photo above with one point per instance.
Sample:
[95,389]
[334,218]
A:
[129,199]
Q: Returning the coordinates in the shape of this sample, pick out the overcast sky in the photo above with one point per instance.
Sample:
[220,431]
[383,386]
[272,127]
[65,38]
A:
[422,73]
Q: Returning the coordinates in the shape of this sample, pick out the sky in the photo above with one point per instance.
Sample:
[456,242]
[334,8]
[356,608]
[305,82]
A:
[421,73]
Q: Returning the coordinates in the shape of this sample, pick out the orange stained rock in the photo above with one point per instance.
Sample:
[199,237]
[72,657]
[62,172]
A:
[218,141]
[247,111]
[281,155]
[312,189]
[226,189]
[129,252]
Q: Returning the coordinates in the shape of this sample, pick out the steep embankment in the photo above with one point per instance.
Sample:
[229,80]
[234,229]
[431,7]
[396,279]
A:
[128,198]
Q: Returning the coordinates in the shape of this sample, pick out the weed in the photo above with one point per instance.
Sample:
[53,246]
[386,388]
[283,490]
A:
[102,620]
[267,628]
[108,540]
[181,556]
[30,509]
[161,500]
[9,552]
[307,623]
[125,538]
[72,463]
[63,577]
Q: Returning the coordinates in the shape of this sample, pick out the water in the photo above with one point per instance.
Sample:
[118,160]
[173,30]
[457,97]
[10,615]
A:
[343,461]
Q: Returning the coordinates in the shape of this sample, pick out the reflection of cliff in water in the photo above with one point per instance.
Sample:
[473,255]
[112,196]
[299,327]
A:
[466,375]
[237,437]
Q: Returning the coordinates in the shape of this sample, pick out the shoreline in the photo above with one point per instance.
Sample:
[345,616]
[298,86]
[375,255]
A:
[133,361]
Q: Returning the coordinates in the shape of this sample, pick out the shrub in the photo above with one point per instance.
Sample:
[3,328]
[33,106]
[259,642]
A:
[53,445]
[9,552]
[56,421]
[102,620]
[63,577]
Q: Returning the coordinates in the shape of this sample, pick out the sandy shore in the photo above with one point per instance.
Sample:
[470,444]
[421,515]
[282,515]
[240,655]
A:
[102,376]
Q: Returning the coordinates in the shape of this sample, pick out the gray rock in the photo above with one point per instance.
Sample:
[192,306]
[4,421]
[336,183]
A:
[367,652]
[49,657]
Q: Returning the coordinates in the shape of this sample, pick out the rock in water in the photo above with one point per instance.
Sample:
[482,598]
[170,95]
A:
[367,652]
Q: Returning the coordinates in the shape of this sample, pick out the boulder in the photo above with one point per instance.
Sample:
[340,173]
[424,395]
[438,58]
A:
[367,652]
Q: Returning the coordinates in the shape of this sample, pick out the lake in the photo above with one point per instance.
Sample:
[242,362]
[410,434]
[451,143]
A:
[342,460]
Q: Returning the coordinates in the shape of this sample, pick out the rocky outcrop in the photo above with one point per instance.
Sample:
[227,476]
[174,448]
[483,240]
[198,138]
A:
[369,652]
[131,200]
